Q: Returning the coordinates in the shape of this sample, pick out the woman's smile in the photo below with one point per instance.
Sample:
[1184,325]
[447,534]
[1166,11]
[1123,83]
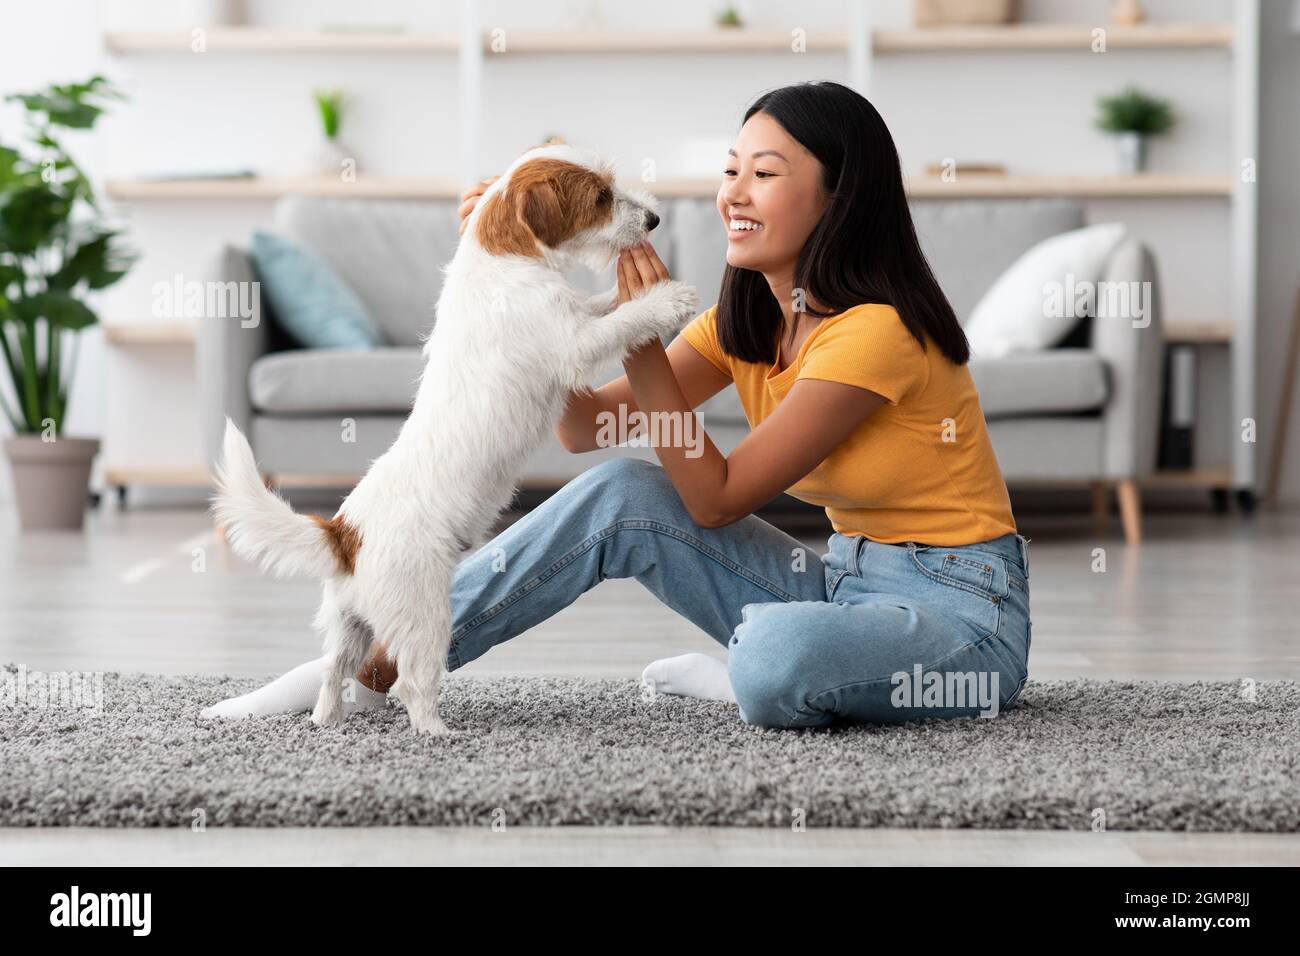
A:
[741,227]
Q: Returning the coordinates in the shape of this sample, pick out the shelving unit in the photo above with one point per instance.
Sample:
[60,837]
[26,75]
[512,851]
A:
[475,47]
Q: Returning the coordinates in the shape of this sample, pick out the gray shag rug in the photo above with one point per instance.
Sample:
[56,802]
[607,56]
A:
[547,751]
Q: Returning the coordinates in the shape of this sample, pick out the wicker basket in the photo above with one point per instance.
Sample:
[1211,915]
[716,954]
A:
[935,13]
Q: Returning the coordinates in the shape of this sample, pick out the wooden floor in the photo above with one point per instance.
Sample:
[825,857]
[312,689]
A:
[1203,597]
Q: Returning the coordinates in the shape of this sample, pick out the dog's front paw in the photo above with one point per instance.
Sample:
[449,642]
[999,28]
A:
[674,304]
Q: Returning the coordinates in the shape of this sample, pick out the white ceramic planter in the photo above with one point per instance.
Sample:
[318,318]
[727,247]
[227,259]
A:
[1132,152]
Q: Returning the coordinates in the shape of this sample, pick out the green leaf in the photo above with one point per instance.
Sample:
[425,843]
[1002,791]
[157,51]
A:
[97,261]
[30,216]
[71,105]
[57,307]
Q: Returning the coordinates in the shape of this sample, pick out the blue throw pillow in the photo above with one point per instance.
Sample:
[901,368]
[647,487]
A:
[309,300]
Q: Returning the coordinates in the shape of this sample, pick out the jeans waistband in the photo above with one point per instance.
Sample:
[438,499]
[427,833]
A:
[1014,547]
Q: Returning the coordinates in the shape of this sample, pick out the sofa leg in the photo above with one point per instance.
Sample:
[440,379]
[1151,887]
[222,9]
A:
[1130,509]
[1100,505]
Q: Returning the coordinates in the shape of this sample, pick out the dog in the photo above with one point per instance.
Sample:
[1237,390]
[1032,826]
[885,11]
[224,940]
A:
[511,339]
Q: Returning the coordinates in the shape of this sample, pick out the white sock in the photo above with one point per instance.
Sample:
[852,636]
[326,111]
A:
[294,692]
[690,675]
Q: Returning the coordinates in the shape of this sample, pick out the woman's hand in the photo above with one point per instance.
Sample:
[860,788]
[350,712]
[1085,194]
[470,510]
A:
[638,269]
[469,199]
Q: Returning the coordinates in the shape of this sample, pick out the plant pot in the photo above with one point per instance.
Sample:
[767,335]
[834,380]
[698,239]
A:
[51,479]
[213,13]
[1132,152]
[329,158]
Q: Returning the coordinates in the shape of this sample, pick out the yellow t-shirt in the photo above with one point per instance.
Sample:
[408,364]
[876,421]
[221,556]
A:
[920,468]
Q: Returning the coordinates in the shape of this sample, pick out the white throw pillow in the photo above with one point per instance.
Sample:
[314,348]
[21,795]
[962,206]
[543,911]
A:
[1040,298]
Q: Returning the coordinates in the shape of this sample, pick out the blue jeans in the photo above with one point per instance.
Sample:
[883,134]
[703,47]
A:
[869,632]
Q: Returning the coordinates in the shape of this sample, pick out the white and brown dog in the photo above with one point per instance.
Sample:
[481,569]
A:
[511,339]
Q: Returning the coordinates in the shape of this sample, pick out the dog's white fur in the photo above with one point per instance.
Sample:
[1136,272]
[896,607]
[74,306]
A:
[512,338]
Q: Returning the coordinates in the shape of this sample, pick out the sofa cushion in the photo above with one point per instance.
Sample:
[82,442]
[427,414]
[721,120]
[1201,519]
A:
[316,381]
[1029,383]
[1021,314]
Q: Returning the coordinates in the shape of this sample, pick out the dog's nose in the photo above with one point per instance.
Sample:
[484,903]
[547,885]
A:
[651,220]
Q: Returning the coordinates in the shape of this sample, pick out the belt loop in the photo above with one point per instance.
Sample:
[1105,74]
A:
[1024,552]
[859,540]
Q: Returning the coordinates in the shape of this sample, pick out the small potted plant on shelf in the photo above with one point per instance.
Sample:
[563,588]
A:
[1133,116]
[729,16]
[332,154]
[54,249]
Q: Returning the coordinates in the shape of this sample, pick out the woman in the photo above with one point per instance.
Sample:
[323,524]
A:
[851,368]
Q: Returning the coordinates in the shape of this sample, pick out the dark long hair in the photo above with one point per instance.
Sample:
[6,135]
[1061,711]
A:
[863,249]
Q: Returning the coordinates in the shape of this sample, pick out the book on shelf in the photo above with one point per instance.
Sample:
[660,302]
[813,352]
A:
[1178,410]
[196,175]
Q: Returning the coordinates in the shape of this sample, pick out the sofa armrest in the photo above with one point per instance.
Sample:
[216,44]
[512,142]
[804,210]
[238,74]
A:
[227,347]
[1128,334]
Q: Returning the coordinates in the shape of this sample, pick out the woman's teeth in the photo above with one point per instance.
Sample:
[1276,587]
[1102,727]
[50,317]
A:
[745,224]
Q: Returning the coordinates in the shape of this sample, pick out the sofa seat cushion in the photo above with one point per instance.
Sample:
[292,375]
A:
[1028,383]
[312,381]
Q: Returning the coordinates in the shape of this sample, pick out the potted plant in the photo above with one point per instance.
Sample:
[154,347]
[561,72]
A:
[729,16]
[54,249]
[1134,116]
[331,154]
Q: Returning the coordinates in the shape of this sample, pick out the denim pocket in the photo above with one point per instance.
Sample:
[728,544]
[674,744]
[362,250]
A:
[966,585]
[976,572]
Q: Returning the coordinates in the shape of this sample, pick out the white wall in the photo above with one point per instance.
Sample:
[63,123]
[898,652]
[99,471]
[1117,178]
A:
[1031,110]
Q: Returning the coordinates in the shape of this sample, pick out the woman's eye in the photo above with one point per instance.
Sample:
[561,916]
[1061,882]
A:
[728,172]
[764,174]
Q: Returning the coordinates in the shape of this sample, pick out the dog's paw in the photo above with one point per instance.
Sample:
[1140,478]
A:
[327,718]
[674,303]
[433,727]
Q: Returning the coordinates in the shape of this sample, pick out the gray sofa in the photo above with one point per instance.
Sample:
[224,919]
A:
[1085,412]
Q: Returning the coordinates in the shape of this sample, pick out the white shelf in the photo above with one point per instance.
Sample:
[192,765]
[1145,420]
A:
[263,40]
[1014,36]
[1139,186]
[364,187]
[149,332]
[706,40]
[1052,36]
[1134,186]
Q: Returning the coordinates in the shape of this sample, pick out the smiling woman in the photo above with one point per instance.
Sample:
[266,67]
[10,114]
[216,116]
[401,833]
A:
[851,367]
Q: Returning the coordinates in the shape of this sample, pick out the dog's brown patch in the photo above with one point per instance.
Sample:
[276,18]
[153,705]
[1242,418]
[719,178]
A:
[545,202]
[344,540]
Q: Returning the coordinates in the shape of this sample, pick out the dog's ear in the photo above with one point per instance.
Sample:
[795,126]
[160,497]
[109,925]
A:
[501,227]
[541,211]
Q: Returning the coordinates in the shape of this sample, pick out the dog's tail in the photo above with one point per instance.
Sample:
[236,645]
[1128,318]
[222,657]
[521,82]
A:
[261,527]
